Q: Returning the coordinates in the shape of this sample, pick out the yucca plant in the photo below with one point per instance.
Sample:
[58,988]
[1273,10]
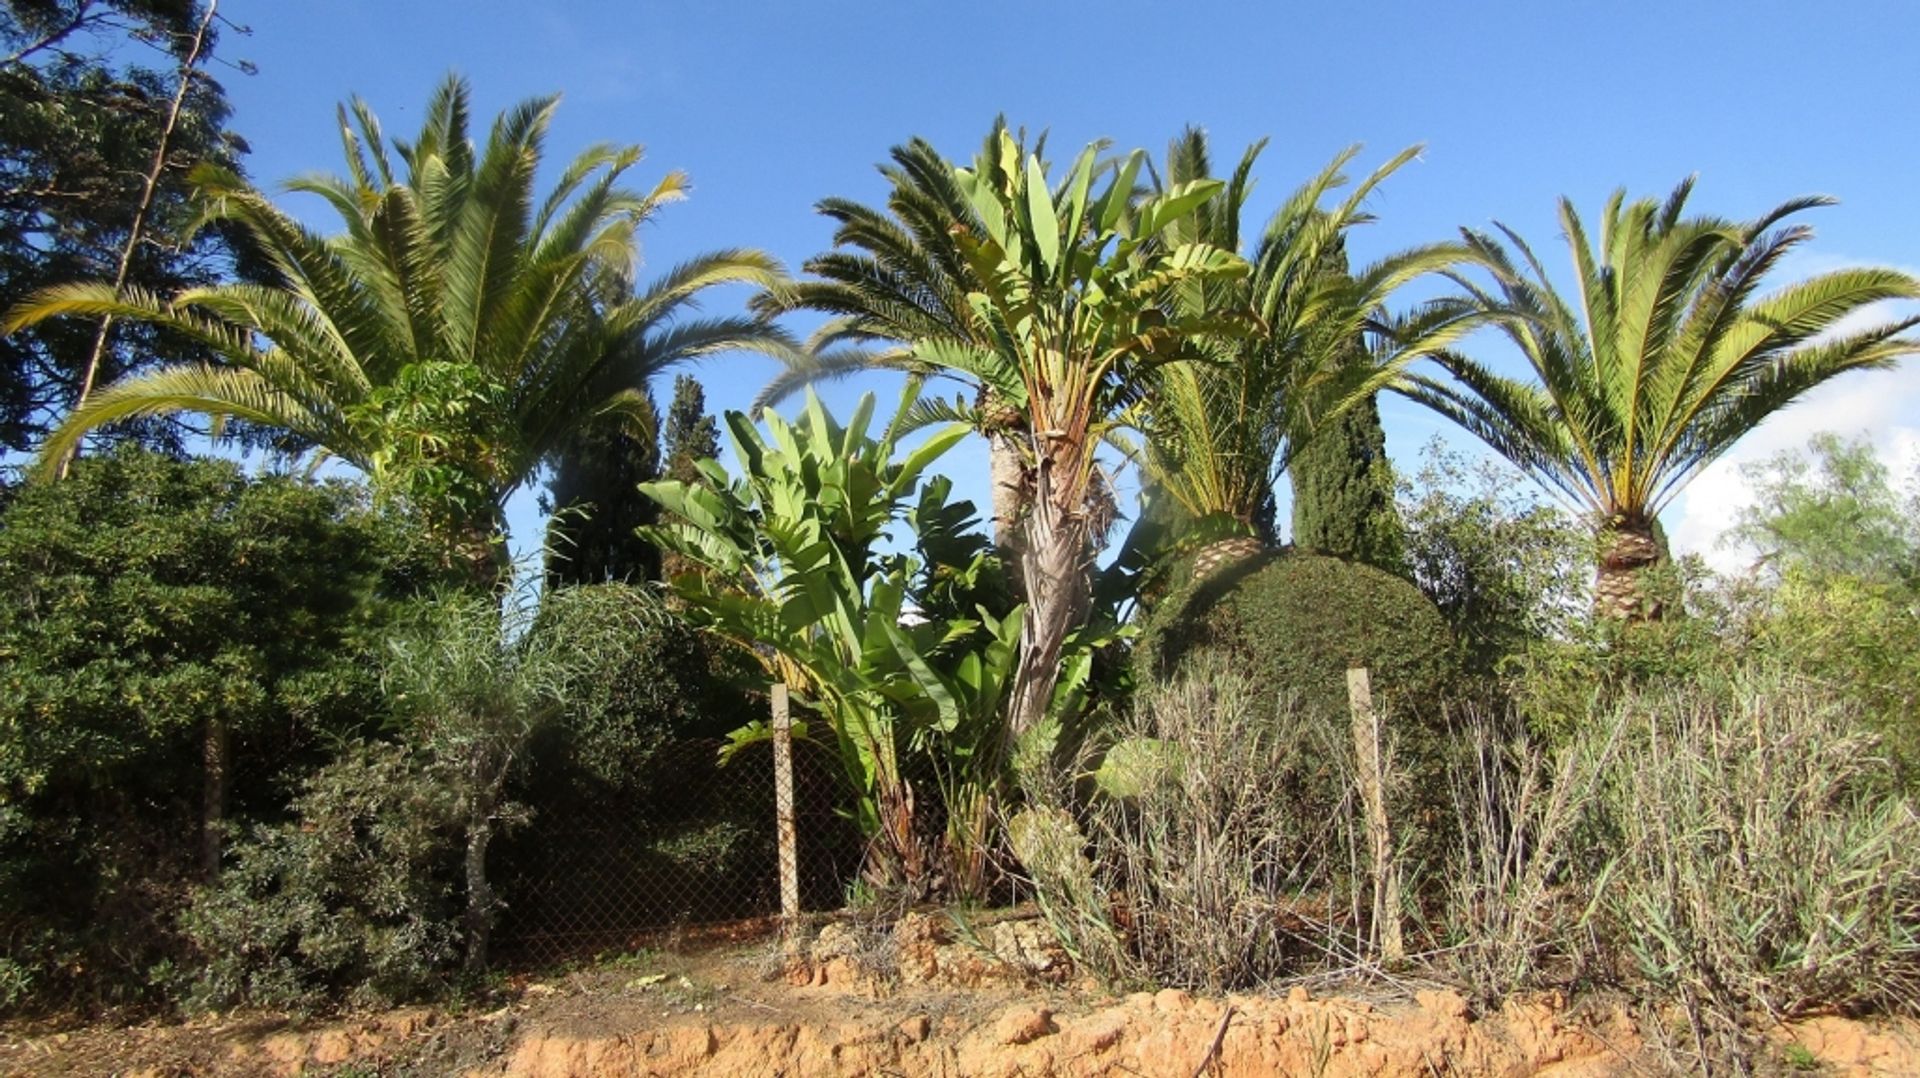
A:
[452,335]
[1665,357]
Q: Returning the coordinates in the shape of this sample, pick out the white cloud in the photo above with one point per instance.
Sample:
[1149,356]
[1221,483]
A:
[1883,406]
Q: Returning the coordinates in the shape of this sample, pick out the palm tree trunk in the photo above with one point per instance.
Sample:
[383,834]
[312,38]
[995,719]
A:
[1056,563]
[479,556]
[1629,547]
[1011,493]
[1219,554]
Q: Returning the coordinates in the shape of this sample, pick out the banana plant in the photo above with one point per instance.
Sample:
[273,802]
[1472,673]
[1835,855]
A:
[790,569]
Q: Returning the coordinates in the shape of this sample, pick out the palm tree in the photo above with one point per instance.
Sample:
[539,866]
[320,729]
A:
[1670,358]
[896,276]
[452,336]
[1045,298]
[1221,431]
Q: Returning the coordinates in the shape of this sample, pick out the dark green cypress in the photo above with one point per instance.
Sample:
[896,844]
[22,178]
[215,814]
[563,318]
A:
[691,437]
[692,434]
[597,504]
[1343,493]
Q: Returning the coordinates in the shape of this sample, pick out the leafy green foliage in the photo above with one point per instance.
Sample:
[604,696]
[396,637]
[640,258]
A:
[1504,569]
[1666,359]
[1310,339]
[1044,297]
[1836,598]
[1760,856]
[141,600]
[1300,621]
[81,114]
[1343,488]
[791,572]
[351,900]
[1838,514]
[597,504]
[1293,624]
[452,336]
[691,434]
[472,684]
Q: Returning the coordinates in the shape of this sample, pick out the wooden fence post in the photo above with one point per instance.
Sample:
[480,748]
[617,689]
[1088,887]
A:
[1386,874]
[783,808]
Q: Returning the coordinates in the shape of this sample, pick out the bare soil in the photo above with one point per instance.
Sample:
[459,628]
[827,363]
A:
[994,999]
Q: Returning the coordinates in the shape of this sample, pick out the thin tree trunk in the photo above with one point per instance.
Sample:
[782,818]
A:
[479,891]
[488,775]
[1628,549]
[1056,560]
[140,212]
[215,757]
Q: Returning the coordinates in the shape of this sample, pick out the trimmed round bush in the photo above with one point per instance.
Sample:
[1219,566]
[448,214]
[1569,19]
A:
[1298,622]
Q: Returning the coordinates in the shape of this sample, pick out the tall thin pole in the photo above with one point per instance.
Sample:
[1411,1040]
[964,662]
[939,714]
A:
[140,212]
[783,807]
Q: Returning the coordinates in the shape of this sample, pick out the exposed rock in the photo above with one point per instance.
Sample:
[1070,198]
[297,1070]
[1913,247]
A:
[1024,1025]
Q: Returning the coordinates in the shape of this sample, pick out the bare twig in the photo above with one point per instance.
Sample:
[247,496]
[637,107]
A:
[1219,1037]
[140,212]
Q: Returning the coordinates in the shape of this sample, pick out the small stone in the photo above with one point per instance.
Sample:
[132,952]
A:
[331,1047]
[1168,1000]
[1023,1025]
[916,1028]
[1443,1002]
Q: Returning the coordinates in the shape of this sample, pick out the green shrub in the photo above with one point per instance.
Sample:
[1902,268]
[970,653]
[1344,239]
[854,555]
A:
[352,900]
[1297,622]
[1731,848]
[151,608]
[1199,866]
[1293,624]
[1763,858]
[1505,568]
[670,682]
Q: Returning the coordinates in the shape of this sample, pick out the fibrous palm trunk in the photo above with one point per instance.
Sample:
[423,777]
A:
[1218,555]
[1056,566]
[1629,547]
[1012,493]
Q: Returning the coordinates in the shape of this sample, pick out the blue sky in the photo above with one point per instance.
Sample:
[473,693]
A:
[771,106]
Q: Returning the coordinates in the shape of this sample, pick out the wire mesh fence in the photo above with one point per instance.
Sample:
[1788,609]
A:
[603,869]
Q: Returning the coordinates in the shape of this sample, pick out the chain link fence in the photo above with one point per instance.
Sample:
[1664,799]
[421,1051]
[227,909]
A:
[599,869]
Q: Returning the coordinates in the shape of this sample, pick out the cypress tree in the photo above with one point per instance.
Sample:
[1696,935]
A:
[1343,493]
[692,434]
[597,504]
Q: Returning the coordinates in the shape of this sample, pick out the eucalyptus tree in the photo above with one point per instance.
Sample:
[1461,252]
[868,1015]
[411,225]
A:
[1046,298]
[453,334]
[475,680]
[90,92]
[1223,428]
[1665,357]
